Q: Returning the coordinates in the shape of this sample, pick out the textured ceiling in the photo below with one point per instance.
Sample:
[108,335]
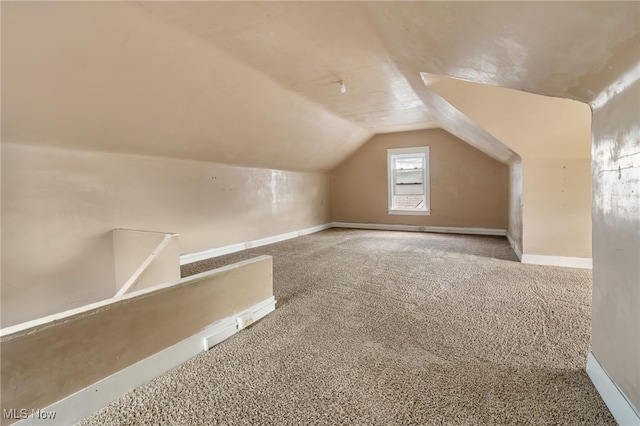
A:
[256,83]
[563,49]
[309,47]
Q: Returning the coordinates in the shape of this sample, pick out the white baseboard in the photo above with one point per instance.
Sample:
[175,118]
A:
[619,405]
[97,396]
[233,248]
[533,259]
[514,246]
[568,262]
[418,228]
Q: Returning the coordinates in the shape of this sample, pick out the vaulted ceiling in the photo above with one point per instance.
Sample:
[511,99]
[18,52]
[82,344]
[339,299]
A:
[257,83]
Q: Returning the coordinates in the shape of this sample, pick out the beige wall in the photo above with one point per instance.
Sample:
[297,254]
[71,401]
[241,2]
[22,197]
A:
[553,138]
[59,207]
[468,188]
[616,239]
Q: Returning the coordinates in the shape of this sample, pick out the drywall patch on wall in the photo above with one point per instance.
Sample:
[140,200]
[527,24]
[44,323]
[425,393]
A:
[514,227]
[60,206]
[514,246]
[468,188]
[616,238]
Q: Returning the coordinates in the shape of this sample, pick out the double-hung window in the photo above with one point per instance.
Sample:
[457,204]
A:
[408,176]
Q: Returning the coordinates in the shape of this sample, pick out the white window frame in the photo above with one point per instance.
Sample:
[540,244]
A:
[420,151]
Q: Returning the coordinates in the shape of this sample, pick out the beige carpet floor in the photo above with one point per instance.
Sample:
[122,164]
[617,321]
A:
[390,328]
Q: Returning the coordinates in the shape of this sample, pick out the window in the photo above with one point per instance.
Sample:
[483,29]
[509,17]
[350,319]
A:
[408,176]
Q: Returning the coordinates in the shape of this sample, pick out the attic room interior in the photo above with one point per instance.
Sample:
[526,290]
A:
[320,212]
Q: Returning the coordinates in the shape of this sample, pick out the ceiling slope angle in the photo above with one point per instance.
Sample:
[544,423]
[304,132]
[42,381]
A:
[465,128]
[310,47]
[567,50]
[257,84]
[110,77]
[537,125]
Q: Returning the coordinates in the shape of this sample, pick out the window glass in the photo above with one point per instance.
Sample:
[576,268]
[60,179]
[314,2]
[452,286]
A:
[408,180]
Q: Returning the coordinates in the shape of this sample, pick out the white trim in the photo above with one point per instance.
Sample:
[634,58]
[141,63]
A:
[621,408]
[233,248]
[415,212]
[418,151]
[89,400]
[514,246]
[567,262]
[138,273]
[532,259]
[418,228]
[72,313]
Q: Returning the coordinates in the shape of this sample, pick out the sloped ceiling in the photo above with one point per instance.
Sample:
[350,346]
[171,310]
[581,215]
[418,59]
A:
[565,49]
[310,47]
[256,83]
[535,126]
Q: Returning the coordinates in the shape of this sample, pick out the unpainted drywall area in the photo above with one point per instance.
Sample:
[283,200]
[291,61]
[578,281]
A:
[468,188]
[553,138]
[615,319]
[45,363]
[514,226]
[59,207]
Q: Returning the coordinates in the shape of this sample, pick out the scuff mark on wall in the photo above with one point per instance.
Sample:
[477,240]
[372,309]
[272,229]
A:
[616,234]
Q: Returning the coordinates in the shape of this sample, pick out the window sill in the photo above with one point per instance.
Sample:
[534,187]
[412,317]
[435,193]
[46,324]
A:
[410,212]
